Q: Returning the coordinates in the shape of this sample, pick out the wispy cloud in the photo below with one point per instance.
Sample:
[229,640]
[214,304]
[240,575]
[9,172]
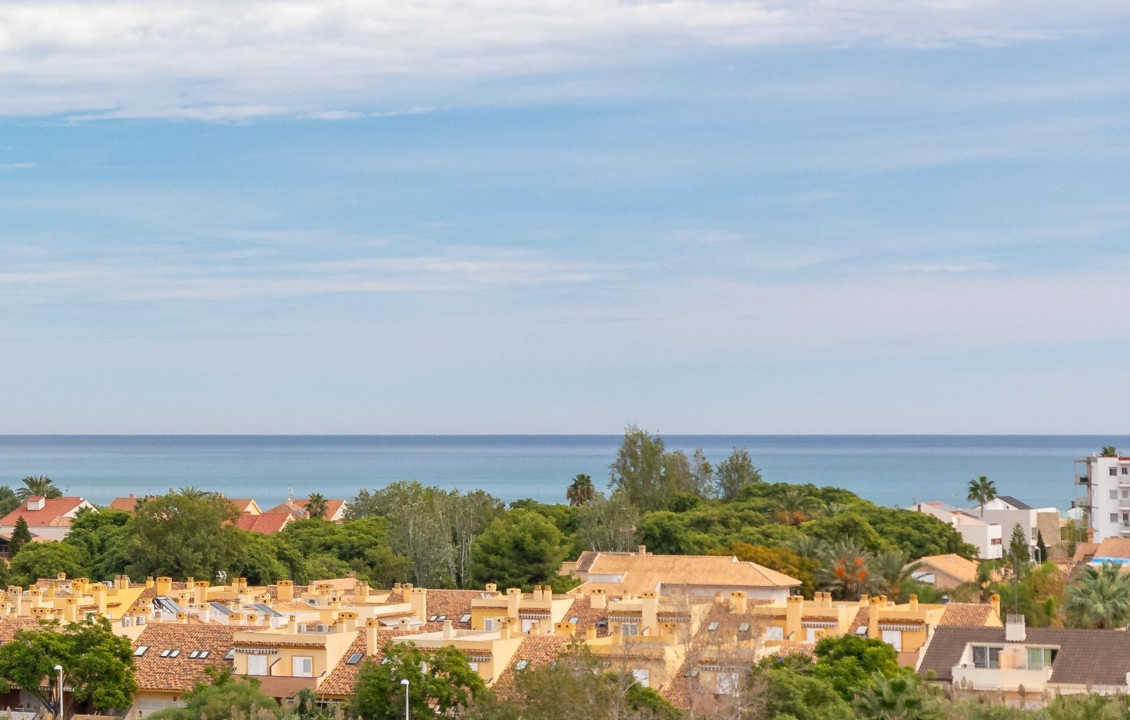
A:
[140,276]
[222,60]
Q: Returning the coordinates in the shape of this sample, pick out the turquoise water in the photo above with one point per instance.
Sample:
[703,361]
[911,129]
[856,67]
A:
[890,470]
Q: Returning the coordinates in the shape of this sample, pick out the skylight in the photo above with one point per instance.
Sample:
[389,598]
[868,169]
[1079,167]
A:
[230,655]
[354,659]
[165,653]
[574,619]
[712,627]
[140,650]
[174,653]
[465,618]
[521,664]
[204,653]
[744,627]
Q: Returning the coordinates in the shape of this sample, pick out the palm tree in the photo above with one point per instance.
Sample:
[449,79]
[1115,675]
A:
[580,491]
[898,698]
[981,491]
[1109,451]
[38,486]
[1099,598]
[846,569]
[891,570]
[316,507]
[794,507]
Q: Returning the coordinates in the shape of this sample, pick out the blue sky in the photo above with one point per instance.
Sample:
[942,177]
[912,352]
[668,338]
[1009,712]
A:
[480,217]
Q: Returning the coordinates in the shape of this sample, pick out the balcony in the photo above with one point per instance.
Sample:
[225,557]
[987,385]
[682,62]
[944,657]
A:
[1082,480]
[1006,679]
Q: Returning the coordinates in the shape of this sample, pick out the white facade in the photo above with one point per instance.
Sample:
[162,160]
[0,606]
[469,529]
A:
[1107,480]
[1007,517]
[984,535]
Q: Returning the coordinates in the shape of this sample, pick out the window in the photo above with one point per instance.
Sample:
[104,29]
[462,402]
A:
[474,666]
[643,677]
[629,628]
[433,618]
[1125,494]
[521,664]
[893,638]
[303,667]
[774,633]
[139,620]
[1114,471]
[744,627]
[810,635]
[1126,471]
[465,618]
[140,650]
[257,665]
[488,624]
[986,657]
[1040,658]
[354,659]
[728,683]
[1113,494]
[574,619]
[1114,517]
[528,625]
[712,627]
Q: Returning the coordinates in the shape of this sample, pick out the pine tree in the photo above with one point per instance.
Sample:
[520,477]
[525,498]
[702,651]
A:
[1041,546]
[21,536]
[1018,550]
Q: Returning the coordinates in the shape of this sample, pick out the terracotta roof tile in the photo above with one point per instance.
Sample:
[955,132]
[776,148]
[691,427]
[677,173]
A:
[265,523]
[647,573]
[53,513]
[969,615]
[536,651]
[342,679]
[181,673]
[953,565]
[449,604]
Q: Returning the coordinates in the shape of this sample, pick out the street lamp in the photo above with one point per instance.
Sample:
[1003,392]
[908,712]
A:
[59,708]
[404,682]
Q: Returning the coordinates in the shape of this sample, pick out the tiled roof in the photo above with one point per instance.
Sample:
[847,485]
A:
[1084,551]
[1113,548]
[537,651]
[969,615]
[1098,657]
[9,627]
[1019,505]
[953,565]
[588,616]
[646,573]
[450,604]
[340,681]
[180,673]
[127,504]
[297,507]
[53,513]
[266,523]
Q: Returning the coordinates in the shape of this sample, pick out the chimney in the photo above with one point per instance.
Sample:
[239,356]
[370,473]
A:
[1014,629]
[362,591]
[913,603]
[70,610]
[491,588]
[36,502]
[738,601]
[864,600]
[164,585]
[148,582]
[292,625]
[643,549]
[649,612]
[122,582]
[598,600]
[98,590]
[513,601]
[794,608]
[418,598]
[61,577]
[372,625]
[538,594]
[995,602]
[873,618]
[202,591]
[182,618]
[285,590]
[448,630]
[565,629]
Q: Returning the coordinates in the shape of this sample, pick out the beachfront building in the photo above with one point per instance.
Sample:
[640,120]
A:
[1106,496]
[1008,512]
[47,518]
[985,535]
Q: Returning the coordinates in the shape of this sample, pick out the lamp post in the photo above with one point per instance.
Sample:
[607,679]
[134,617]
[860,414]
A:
[59,707]
[404,682]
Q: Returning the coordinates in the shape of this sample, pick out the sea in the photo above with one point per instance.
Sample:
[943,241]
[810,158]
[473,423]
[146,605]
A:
[892,470]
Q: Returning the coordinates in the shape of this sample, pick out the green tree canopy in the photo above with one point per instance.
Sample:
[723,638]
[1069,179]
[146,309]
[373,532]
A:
[316,508]
[850,663]
[735,474]
[439,683]
[981,491]
[46,560]
[9,500]
[1099,598]
[608,524]
[219,695]
[21,535]
[188,533]
[98,665]
[580,491]
[519,549]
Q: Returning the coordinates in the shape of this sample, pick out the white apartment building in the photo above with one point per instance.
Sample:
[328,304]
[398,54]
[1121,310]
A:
[984,535]
[1106,501]
[1008,512]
